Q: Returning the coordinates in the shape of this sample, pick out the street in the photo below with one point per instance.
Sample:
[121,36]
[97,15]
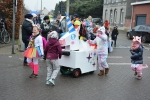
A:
[119,84]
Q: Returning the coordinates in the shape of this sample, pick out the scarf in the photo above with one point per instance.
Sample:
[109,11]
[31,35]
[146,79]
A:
[46,26]
[30,21]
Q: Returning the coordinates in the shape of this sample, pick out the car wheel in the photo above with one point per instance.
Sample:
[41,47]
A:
[144,38]
[76,73]
[128,36]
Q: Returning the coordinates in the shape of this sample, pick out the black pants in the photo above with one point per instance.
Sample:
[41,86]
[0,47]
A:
[26,42]
[115,42]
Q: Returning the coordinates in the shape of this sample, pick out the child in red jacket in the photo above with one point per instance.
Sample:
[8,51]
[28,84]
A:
[52,52]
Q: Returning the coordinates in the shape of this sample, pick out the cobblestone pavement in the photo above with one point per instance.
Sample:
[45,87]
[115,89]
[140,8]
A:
[119,84]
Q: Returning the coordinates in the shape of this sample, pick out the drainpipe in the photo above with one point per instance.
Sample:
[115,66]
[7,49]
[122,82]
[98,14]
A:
[131,18]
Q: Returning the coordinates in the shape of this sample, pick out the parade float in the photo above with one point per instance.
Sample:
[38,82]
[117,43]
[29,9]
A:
[78,56]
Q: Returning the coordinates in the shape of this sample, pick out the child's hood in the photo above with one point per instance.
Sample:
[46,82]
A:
[53,42]
[102,29]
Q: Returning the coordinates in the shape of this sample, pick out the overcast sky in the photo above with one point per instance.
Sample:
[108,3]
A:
[35,5]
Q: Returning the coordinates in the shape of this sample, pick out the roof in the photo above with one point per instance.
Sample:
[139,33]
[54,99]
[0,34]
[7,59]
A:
[140,3]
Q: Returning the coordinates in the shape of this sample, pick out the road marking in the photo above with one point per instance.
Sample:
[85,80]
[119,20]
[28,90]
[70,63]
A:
[119,63]
[115,57]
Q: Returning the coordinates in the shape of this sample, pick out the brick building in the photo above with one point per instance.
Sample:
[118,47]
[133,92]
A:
[141,13]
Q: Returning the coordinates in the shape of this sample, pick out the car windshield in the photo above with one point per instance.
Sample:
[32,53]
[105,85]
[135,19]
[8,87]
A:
[148,28]
[136,27]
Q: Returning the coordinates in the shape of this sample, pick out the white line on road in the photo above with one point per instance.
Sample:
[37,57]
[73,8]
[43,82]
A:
[115,57]
[119,63]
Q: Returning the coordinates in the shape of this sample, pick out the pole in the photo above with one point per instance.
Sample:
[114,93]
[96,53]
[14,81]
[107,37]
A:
[67,11]
[13,29]
[41,5]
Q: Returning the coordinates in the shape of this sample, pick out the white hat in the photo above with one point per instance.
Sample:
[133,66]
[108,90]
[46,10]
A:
[34,15]
[54,34]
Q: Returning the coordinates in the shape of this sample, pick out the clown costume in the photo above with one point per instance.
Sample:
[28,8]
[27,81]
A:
[34,51]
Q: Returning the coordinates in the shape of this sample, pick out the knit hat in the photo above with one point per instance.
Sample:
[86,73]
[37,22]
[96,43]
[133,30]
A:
[137,38]
[46,17]
[54,34]
[29,16]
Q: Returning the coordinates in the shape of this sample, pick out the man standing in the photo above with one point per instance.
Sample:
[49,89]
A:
[27,27]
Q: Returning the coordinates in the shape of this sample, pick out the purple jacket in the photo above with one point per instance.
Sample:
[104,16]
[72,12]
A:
[53,49]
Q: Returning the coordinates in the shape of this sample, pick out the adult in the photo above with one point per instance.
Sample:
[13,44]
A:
[46,26]
[114,35]
[27,27]
[63,24]
[35,20]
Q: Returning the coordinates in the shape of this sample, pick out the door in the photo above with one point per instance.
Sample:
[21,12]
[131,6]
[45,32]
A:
[140,20]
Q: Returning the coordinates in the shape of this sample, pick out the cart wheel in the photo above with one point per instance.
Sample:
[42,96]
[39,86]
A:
[62,69]
[91,72]
[76,73]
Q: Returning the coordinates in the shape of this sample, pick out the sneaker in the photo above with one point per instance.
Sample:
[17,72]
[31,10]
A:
[35,76]
[52,81]
[32,75]
[47,82]
[139,77]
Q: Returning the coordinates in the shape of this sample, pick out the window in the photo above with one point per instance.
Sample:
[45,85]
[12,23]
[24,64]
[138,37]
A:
[121,16]
[148,28]
[115,15]
[141,28]
[110,19]
[105,14]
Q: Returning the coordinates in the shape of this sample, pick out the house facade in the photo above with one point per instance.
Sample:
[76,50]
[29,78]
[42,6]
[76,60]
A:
[141,13]
[118,13]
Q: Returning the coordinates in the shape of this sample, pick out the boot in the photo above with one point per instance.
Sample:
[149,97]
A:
[139,77]
[106,70]
[101,73]
[25,64]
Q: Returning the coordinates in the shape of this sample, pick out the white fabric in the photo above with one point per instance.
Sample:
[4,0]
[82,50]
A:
[30,21]
[35,60]
[39,42]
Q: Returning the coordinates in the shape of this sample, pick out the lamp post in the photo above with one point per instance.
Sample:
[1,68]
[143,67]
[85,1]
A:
[67,11]
[13,29]
[41,5]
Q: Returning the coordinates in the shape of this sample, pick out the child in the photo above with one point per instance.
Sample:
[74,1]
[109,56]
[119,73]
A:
[137,57]
[102,50]
[52,52]
[34,51]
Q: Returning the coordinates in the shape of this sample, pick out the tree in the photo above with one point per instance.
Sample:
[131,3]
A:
[6,11]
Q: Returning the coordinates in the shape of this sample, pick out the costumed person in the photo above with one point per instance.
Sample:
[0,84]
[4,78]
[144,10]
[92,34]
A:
[34,51]
[89,27]
[46,26]
[114,35]
[27,28]
[137,57]
[77,24]
[107,27]
[53,52]
[102,50]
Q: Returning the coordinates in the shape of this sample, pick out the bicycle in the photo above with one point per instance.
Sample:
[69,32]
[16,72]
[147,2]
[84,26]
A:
[4,35]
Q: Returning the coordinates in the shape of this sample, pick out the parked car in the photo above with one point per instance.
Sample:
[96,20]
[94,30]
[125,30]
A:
[140,30]
[97,21]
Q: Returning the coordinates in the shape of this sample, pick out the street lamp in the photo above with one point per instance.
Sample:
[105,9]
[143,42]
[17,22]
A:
[13,29]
